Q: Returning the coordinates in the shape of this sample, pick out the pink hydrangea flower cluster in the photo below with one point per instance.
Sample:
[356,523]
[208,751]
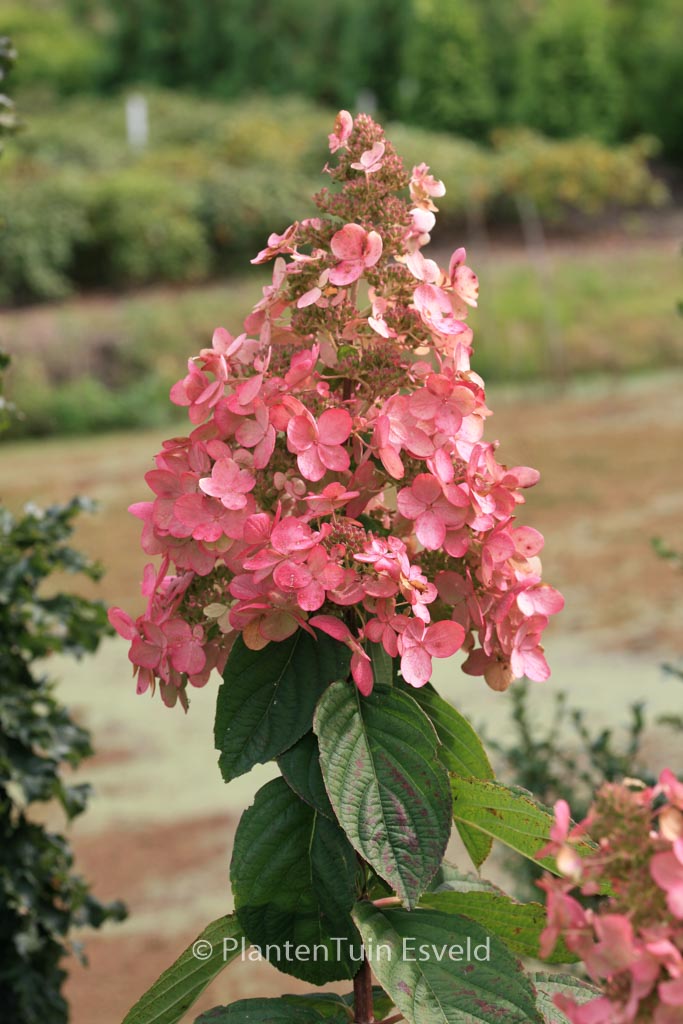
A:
[337,477]
[632,945]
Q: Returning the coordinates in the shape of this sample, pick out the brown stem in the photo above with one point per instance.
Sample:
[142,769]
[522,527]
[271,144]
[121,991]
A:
[362,995]
[392,1020]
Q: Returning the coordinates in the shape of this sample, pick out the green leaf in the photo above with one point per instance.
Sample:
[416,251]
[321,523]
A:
[329,1005]
[410,955]
[519,925]
[266,701]
[549,985]
[294,878]
[287,1010]
[450,879]
[509,815]
[385,782]
[175,991]
[300,766]
[381,1002]
[463,753]
[383,665]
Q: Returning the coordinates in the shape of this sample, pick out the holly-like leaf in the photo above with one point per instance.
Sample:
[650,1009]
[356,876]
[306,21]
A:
[549,985]
[463,753]
[300,766]
[266,701]
[509,815]
[294,877]
[445,969]
[171,995]
[519,925]
[386,784]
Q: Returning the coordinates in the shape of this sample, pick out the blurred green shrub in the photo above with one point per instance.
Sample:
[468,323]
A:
[80,207]
[563,67]
[608,69]
[58,51]
[568,82]
[447,83]
[144,228]
[42,221]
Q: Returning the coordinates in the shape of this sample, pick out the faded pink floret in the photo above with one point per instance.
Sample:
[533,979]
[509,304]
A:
[371,160]
[343,126]
[632,942]
[335,475]
[357,250]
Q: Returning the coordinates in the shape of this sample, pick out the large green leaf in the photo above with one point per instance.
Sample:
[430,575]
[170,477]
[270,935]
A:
[549,985]
[509,815]
[463,754]
[294,877]
[266,701]
[300,766]
[386,784]
[175,991]
[519,925]
[410,955]
[287,1010]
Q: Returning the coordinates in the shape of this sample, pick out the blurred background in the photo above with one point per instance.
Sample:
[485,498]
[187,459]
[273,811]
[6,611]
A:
[160,142]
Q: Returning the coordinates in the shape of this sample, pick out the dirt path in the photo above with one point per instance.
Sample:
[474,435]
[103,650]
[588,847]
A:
[161,824]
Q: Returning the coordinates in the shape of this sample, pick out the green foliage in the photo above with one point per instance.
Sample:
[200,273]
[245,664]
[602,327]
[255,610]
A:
[510,815]
[8,118]
[41,224]
[566,759]
[446,65]
[363,813]
[262,706]
[300,766]
[462,753]
[519,925]
[549,985]
[171,995]
[568,83]
[294,878]
[388,789]
[217,178]
[429,990]
[58,52]
[41,899]
[144,228]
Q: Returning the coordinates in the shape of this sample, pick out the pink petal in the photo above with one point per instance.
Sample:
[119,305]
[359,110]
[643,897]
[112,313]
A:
[332,626]
[416,666]
[310,465]
[443,639]
[334,457]
[301,433]
[361,670]
[430,530]
[122,623]
[334,426]
[347,243]
[373,249]
[346,273]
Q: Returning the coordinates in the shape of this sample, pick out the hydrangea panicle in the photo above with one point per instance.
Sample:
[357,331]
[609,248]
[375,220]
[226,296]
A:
[335,476]
[632,943]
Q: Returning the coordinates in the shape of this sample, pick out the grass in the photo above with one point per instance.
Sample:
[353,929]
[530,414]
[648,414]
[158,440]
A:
[106,362]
